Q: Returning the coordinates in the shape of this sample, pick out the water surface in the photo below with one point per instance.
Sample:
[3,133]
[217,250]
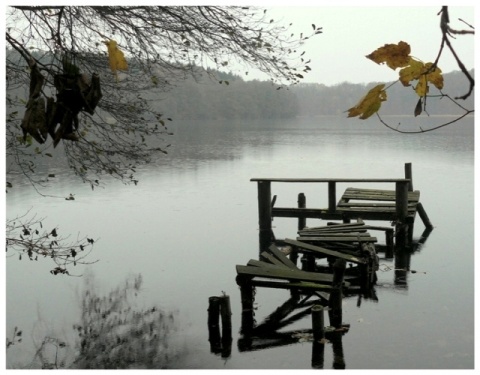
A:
[193,217]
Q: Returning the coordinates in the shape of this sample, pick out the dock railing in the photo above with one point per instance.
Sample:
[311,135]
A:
[265,197]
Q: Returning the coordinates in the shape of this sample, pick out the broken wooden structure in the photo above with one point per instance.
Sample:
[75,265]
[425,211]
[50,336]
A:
[398,206]
[324,247]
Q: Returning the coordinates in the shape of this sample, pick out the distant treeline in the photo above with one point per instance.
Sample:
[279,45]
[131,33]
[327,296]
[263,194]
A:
[230,97]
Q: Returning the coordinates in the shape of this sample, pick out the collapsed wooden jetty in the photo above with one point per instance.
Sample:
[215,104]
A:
[328,248]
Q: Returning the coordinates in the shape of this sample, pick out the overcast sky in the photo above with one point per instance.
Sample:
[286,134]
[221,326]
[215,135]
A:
[352,32]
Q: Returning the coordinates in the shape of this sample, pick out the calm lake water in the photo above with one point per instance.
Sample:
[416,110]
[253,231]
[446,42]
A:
[193,217]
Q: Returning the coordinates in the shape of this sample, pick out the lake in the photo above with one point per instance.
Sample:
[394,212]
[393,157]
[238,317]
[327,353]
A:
[193,217]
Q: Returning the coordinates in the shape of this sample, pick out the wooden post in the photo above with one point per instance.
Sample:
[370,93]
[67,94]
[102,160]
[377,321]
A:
[332,196]
[335,300]
[246,293]
[264,214]
[318,325]
[408,175]
[401,199]
[318,354]
[423,215]
[226,315]
[389,242]
[402,266]
[213,324]
[337,348]
[308,263]
[302,203]
[264,205]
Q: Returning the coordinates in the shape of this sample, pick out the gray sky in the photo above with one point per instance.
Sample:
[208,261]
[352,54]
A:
[352,32]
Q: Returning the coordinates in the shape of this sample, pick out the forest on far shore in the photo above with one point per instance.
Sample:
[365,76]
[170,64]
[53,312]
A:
[231,97]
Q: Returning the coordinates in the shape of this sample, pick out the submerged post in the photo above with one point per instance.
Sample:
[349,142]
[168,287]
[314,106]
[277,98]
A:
[318,325]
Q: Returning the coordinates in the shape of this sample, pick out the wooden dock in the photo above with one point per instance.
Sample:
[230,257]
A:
[326,249]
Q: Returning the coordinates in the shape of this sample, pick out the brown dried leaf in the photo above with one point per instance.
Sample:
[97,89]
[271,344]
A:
[394,55]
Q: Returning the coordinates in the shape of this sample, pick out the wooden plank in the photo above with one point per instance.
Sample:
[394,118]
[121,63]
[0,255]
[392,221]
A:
[281,273]
[272,259]
[301,212]
[317,249]
[357,194]
[379,191]
[373,227]
[371,204]
[282,257]
[385,180]
[292,285]
[260,263]
[338,239]
[372,209]
[334,234]
[382,195]
[336,227]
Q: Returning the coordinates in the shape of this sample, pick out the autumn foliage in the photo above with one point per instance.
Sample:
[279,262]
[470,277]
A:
[412,72]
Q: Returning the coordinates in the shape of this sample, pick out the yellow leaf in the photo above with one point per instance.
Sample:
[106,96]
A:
[417,71]
[115,57]
[422,86]
[370,103]
[394,55]
[435,76]
[412,72]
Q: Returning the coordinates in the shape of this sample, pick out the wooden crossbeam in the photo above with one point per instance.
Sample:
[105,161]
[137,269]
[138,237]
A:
[282,257]
[322,251]
[283,273]
[338,238]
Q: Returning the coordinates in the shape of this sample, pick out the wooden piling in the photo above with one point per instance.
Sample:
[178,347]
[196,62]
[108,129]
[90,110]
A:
[246,293]
[401,199]
[318,354]
[226,315]
[302,203]
[213,324]
[389,242]
[423,215]
[337,348]
[264,214]
[332,196]
[335,300]
[318,325]
[409,176]
[213,311]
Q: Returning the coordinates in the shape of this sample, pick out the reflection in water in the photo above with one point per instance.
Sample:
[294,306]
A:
[112,334]
[267,335]
[361,283]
